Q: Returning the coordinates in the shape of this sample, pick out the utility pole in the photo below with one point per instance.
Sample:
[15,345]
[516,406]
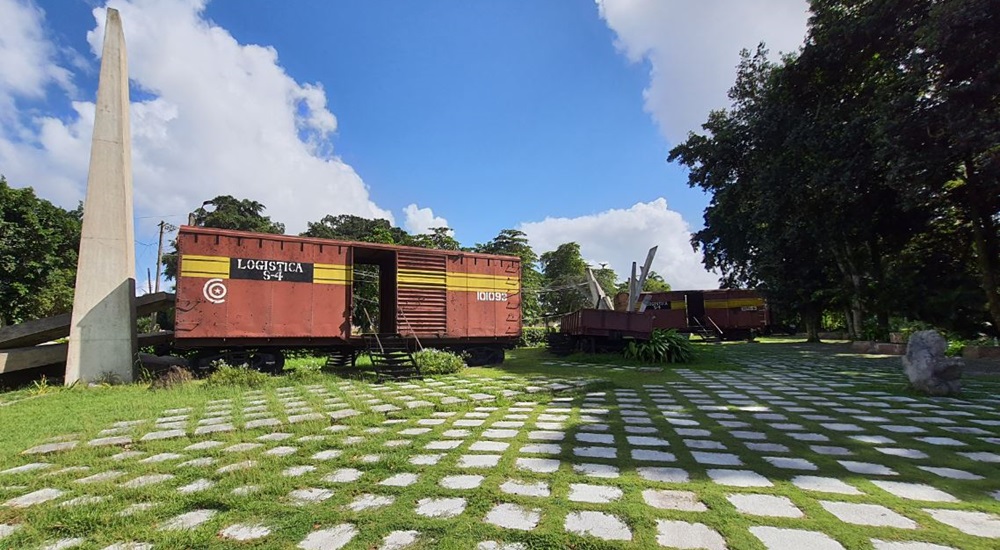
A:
[164,226]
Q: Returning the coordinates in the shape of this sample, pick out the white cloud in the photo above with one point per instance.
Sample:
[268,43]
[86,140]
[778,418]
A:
[619,237]
[216,117]
[27,58]
[421,220]
[693,48]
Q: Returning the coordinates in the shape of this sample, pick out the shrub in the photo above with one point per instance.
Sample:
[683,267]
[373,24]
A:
[435,361]
[224,374]
[663,346]
[532,337]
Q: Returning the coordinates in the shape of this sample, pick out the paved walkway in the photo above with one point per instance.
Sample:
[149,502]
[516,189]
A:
[808,458]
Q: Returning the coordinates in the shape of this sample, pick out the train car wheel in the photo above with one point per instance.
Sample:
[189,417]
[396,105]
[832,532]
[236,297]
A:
[269,361]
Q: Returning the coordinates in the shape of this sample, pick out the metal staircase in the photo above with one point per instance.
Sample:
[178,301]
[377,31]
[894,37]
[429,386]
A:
[391,357]
[340,360]
[713,335]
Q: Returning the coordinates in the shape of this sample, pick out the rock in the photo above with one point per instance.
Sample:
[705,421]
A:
[927,367]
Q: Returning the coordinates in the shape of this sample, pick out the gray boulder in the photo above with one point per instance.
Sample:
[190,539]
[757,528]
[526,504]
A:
[927,367]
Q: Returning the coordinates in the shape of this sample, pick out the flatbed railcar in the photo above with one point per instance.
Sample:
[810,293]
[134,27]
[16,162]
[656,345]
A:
[713,314]
[251,296]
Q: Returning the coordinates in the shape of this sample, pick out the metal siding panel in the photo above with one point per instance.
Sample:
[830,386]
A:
[422,293]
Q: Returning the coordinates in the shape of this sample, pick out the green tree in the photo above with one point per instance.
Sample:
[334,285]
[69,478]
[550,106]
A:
[440,238]
[227,213]
[564,278]
[39,243]
[513,242]
[348,227]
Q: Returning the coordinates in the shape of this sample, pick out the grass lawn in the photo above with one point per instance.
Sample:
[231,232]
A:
[749,447]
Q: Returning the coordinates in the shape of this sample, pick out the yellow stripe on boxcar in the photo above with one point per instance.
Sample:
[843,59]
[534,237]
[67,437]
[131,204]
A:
[332,274]
[204,266]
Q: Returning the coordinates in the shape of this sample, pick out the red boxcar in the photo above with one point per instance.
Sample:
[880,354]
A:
[250,290]
[728,313]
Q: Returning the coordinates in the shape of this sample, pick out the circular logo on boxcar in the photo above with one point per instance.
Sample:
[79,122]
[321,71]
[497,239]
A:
[215,291]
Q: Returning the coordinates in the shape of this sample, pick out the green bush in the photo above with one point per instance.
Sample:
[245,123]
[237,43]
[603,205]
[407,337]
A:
[224,374]
[435,361]
[532,337]
[663,346]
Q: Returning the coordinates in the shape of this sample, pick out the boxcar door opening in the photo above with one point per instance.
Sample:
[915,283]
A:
[374,292]
[695,302]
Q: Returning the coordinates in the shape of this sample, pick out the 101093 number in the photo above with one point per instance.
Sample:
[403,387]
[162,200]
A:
[491,296]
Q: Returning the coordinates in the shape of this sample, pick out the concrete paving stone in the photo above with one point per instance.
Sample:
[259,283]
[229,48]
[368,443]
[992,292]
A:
[546,435]
[245,531]
[393,443]
[425,459]
[648,455]
[873,439]
[902,429]
[867,468]
[196,486]
[704,444]
[606,471]
[663,475]
[681,534]
[397,540]
[209,421]
[314,416]
[214,428]
[188,520]
[440,507]
[458,434]
[461,481]
[336,428]
[499,434]
[468,423]
[541,449]
[245,490]
[242,447]
[597,524]
[368,501]
[203,445]
[508,424]
[812,437]
[328,454]
[51,448]
[905,545]
[146,480]
[171,426]
[982,457]
[556,426]
[68,470]
[369,459]
[825,485]
[197,462]
[479,461]
[414,431]
[34,466]
[538,465]
[764,505]
[512,516]
[645,441]
[596,452]
[830,450]
[525,488]
[597,494]
[34,497]
[693,432]
[312,495]
[333,538]
[282,450]
[685,501]
[244,465]
[790,463]
[400,480]
[873,515]
[716,459]
[585,437]
[129,546]
[137,508]
[775,538]
[296,471]
[161,457]
[914,491]
[941,441]
[488,446]
[101,477]
[275,436]
[739,478]
[951,473]
[62,544]
[979,524]
[902,453]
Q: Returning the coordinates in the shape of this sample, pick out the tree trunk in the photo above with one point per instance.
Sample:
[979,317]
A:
[812,318]
[852,329]
[985,242]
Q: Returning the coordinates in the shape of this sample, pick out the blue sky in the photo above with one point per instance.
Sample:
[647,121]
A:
[553,117]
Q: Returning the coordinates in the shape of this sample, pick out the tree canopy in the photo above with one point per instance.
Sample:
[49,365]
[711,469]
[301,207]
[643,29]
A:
[861,174]
[39,243]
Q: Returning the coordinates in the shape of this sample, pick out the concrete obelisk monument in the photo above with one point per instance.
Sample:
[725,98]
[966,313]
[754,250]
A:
[102,338]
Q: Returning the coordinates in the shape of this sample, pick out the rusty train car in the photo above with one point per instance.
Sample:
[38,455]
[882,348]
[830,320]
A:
[725,314]
[250,296]
[713,314]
